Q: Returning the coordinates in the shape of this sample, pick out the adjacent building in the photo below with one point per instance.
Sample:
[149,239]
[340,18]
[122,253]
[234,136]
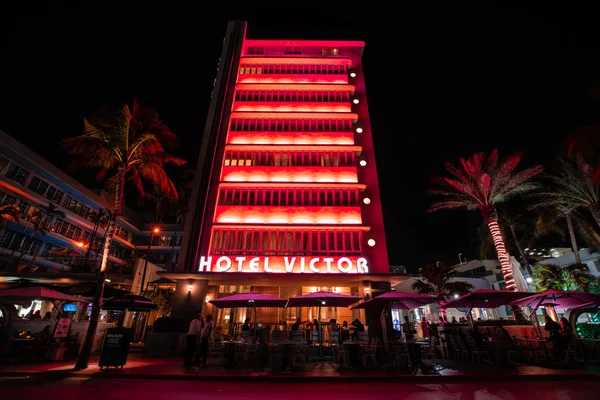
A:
[67,244]
[286,197]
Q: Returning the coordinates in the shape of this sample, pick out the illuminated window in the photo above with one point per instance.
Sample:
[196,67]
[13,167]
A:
[329,51]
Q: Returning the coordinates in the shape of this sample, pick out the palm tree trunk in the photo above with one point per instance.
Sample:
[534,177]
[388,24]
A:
[491,219]
[172,250]
[520,249]
[595,211]
[20,244]
[573,239]
[86,352]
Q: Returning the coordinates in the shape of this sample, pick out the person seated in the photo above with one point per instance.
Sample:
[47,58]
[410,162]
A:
[247,325]
[357,326]
[333,325]
[345,335]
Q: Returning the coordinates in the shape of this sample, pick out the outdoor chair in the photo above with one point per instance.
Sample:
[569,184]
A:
[275,355]
[216,354]
[429,352]
[334,337]
[297,337]
[315,338]
[244,351]
[298,352]
[362,337]
[340,353]
[401,356]
[476,353]
[246,335]
[369,352]
[277,336]
[462,347]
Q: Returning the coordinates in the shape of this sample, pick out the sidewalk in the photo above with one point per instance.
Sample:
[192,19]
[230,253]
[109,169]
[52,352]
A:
[140,367]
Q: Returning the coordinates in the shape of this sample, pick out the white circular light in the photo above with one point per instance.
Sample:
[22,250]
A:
[353,74]
[456,296]
[359,130]
[363,163]
[529,280]
[367,200]
[371,242]
[355,101]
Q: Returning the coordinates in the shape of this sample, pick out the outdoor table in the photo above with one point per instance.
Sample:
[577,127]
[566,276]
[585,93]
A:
[353,352]
[231,344]
[287,348]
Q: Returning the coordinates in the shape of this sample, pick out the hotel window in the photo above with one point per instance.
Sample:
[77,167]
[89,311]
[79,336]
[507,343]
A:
[43,188]
[11,240]
[292,50]
[7,199]
[16,173]
[3,164]
[329,51]
[255,50]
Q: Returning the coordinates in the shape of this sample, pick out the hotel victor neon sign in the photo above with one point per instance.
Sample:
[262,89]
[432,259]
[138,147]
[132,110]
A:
[307,265]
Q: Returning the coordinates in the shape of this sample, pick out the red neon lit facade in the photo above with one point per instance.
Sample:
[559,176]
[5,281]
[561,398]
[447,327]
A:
[294,165]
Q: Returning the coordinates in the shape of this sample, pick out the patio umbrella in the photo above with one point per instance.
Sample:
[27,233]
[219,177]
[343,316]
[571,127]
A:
[38,292]
[88,289]
[249,299]
[485,299]
[397,300]
[319,299]
[556,299]
[560,298]
[130,302]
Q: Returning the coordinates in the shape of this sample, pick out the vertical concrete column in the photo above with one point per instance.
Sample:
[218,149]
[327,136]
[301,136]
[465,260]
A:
[189,298]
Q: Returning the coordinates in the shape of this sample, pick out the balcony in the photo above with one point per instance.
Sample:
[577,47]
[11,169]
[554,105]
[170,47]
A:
[293,78]
[288,215]
[292,106]
[289,174]
[293,138]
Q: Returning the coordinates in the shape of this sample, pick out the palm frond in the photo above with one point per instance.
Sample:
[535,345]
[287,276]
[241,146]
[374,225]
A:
[422,287]
[459,287]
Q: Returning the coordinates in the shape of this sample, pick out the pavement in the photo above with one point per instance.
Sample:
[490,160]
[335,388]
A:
[16,388]
[162,368]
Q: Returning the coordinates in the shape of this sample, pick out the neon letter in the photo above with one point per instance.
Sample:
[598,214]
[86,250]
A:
[311,265]
[361,266]
[328,262]
[289,266]
[267,268]
[254,264]
[225,268]
[343,269]
[205,262]
[240,261]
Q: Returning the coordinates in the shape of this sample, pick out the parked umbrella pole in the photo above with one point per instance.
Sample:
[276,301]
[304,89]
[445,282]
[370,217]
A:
[320,334]
[533,315]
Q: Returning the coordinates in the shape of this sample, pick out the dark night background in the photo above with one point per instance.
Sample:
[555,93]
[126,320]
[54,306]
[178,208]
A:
[443,82]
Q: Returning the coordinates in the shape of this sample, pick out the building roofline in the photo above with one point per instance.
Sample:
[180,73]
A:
[305,43]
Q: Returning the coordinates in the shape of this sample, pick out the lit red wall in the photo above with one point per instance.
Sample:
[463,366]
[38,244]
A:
[320,109]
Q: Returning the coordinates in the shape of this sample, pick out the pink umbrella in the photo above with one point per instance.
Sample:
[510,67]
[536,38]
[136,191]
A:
[558,299]
[485,299]
[318,299]
[38,292]
[250,299]
[397,301]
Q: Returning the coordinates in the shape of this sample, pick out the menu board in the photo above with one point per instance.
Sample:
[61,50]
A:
[115,348]
[62,328]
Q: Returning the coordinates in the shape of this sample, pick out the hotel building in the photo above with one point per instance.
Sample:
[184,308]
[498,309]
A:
[286,198]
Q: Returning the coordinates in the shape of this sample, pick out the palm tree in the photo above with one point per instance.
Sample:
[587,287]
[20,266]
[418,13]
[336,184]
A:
[548,222]
[440,280]
[130,147]
[480,184]
[514,221]
[573,184]
[41,224]
[8,213]
[570,277]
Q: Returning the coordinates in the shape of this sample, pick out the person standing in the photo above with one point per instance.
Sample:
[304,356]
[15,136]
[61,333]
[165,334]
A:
[425,327]
[191,340]
[205,339]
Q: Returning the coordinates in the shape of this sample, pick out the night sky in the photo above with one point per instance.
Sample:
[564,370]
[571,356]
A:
[442,82]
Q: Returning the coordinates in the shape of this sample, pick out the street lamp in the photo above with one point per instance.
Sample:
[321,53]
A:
[154,231]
